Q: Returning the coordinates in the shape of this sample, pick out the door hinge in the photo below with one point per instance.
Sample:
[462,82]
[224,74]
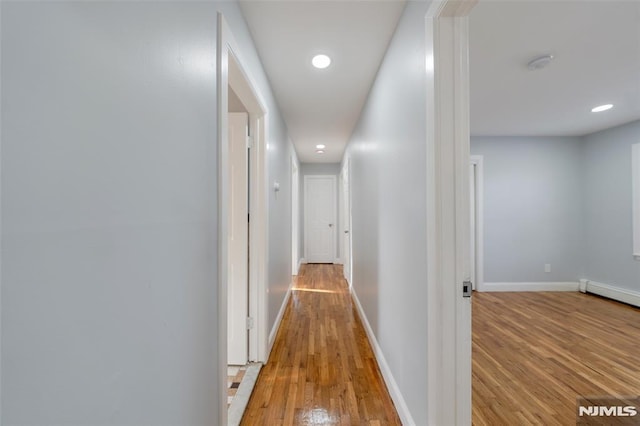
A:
[467,288]
[249,323]
[249,142]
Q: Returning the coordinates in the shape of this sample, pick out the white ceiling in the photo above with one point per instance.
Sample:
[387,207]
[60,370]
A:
[596,45]
[321,106]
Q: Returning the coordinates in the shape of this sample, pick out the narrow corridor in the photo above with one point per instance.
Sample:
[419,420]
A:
[322,370]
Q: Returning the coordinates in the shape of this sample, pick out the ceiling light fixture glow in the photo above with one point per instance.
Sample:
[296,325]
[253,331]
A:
[319,151]
[602,108]
[321,61]
[320,146]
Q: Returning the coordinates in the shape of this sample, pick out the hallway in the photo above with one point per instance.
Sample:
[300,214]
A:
[322,369]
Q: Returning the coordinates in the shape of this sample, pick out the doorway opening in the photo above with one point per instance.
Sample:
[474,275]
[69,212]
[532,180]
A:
[242,217]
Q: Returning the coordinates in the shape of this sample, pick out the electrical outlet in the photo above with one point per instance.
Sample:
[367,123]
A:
[547,267]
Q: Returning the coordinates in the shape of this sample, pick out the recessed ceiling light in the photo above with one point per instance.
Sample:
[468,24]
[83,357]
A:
[602,108]
[321,61]
[319,151]
[539,62]
[320,146]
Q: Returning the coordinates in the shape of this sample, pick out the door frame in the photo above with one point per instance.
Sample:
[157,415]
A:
[334,241]
[448,221]
[477,161]
[345,220]
[232,72]
[295,215]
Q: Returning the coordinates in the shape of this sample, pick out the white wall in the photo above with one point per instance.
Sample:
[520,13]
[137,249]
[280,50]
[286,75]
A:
[607,207]
[109,212]
[532,208]
[388,189]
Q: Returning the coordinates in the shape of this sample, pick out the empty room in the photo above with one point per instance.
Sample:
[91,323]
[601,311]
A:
[555,92]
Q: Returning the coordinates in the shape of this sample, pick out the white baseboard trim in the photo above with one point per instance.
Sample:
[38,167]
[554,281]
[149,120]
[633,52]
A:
[616,293]
[276,324]
[300,262]
[392,386]
[583,286]
[532,286]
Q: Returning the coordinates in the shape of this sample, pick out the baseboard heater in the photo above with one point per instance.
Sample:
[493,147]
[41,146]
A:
[629,297]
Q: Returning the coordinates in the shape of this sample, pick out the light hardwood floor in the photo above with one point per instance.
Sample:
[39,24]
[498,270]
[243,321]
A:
[322,370]
[535,353]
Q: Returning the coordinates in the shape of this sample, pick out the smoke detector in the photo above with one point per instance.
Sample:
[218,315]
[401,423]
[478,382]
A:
[539,62]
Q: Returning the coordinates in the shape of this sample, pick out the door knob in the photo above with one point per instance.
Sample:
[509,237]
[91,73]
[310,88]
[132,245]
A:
[346,232]
[331,225]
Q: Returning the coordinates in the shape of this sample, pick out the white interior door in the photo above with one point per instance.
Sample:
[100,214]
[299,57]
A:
[320,219]
[238,269]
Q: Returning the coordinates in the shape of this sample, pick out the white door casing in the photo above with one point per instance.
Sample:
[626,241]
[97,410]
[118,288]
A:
[320,219]
[345,221]
[477,228]
[295,216]
[238,269]
[447,129]
[232,73]
[472,223]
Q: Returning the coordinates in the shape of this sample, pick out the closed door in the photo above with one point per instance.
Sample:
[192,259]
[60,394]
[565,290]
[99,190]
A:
[320,218]
[238,262]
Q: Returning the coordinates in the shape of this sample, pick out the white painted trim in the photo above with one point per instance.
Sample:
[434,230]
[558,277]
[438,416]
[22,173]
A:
[346,222]
[335,214]
[301,262]
[478,160]
[392,386]
[276,324]
[616,293]
[582,287]
[635,185]
[259,238]
[231,72]
[295,214]
[447,163]
[532,286]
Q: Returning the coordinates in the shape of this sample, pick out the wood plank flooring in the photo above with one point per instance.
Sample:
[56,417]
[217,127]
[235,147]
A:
[535,353]
[322,370]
